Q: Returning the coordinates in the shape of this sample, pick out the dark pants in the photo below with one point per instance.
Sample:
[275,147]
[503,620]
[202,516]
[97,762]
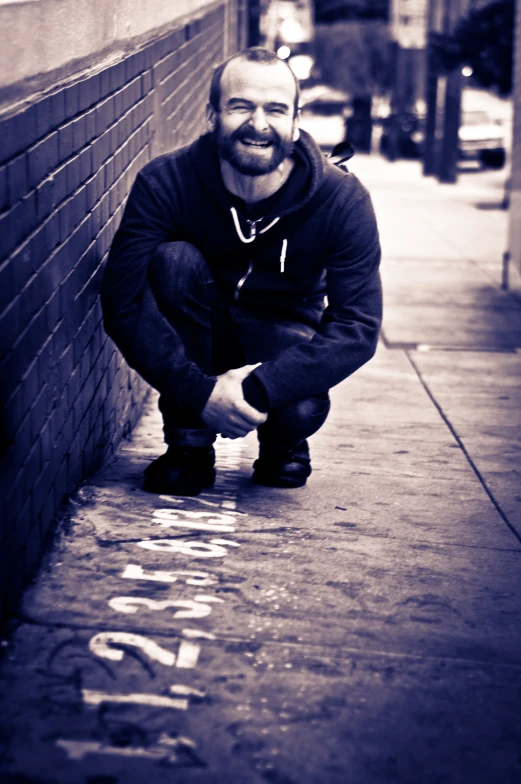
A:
[219,337]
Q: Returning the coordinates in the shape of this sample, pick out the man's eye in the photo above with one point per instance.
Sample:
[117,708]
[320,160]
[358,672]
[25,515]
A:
[240,109]
[277,111]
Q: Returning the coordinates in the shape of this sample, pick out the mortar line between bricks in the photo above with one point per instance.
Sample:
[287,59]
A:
[342,650]
[463,448]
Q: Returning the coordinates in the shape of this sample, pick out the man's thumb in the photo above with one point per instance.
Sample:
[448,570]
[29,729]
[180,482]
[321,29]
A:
[245,370]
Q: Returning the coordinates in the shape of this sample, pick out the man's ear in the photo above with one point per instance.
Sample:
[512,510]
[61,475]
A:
[296,128]
[210,116]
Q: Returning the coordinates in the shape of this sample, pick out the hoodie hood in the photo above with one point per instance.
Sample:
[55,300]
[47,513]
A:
[205,159]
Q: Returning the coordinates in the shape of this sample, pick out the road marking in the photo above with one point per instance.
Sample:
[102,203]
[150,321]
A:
[191,548]
[100,646]
[136,572]
[91,697]
[127,604]
[225,542]
[188,654]
[165,750]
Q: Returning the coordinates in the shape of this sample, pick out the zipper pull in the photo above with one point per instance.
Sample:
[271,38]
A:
[253,229]
[283,255]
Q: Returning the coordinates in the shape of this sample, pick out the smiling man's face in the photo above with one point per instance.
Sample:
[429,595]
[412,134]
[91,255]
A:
[256,125]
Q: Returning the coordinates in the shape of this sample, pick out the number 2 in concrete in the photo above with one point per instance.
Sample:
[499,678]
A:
[102,645]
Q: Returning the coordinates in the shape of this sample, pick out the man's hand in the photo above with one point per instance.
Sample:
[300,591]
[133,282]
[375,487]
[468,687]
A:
[226,411]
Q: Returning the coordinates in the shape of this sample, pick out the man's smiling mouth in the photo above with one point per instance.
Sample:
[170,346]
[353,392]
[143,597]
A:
[260,145]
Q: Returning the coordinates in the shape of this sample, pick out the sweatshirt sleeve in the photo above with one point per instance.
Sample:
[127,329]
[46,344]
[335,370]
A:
[348,333]
[130,312]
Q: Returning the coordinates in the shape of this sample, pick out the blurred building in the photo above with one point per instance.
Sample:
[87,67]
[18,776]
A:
[515,186]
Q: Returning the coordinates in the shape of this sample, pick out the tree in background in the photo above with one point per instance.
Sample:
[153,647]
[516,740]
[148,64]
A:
[354,56]
[483,39]
[327,11]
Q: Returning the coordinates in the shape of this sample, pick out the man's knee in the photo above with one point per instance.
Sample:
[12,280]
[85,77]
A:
[294,421]
[176,269]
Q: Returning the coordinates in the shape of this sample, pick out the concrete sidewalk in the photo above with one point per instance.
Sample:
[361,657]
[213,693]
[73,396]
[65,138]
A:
[361,630]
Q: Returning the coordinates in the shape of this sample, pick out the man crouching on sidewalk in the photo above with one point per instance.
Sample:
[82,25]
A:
[216,283]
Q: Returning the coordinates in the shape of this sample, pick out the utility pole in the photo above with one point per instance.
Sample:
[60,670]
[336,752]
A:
[254,13]
[431,94]
[448,160]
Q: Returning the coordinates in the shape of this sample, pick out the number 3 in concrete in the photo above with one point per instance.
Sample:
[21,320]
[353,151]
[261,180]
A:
[194,609]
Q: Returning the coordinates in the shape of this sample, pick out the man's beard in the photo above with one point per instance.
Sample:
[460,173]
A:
[250,162]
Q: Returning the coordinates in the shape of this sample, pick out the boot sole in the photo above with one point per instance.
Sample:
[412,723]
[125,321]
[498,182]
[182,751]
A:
[278,481]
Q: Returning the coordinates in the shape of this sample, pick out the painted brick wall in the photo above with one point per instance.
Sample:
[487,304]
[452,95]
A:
[67,163]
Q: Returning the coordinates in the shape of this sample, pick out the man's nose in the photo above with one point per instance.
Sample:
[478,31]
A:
[258,120]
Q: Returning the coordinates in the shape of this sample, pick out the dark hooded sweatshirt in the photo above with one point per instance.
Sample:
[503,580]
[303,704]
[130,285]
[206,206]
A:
[295,260]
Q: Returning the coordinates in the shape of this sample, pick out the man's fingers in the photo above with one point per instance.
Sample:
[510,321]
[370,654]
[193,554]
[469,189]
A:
[245,370]
[249,414]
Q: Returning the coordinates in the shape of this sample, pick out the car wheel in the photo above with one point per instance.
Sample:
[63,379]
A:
[493,159]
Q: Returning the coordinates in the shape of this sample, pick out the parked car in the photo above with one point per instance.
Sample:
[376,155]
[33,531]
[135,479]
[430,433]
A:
[323,114]
[481,139]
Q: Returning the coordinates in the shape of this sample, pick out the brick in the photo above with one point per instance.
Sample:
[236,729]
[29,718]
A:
[44,199]
[60,486]
[48,513]
[86,164]
[42,159]
[9,327]
[30,386]
[7,289]
[147,82]
[105,114]
[17,133]
[13,415]
[45,120]
[45,360]
[17,223]
[58,110]
[3,188]
[60,190]
[117,76]
[89,92]
[33,336]
[90,124]
[134,65]
[53,312]
[46,240]
[72,100]
[65,219]
[73,174]
[39,412]
[79,133]
[66,141]
[17,179]
[104,83]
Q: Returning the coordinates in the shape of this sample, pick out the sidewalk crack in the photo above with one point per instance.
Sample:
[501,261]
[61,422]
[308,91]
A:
[463,448]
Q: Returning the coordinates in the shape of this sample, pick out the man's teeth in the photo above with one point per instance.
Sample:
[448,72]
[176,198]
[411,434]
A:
[251,143]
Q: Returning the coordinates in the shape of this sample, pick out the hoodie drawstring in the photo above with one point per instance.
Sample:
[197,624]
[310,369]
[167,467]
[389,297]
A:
[283,255]
[247,240]
[253,225]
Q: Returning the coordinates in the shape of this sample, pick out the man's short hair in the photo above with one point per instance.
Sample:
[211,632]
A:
[255,54]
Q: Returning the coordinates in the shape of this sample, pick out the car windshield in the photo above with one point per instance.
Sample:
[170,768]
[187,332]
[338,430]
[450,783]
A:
[476,118]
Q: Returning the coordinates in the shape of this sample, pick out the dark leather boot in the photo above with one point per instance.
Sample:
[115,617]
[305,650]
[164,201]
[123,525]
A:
[182,470]
[281,466]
